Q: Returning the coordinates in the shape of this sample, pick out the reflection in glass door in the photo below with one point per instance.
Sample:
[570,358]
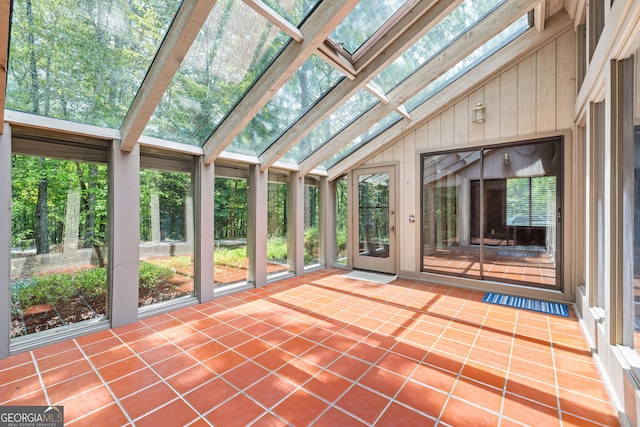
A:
[376,220]
[493,214]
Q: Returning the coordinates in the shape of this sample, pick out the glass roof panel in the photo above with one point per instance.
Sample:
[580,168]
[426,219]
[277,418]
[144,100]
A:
[232,50]
[83,61]
[363,22]
[483,52]
[306,86]
[384,124]
[439,37]
[357,105]
[294,11]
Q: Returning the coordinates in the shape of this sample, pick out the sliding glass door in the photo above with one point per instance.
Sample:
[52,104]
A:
[493,213]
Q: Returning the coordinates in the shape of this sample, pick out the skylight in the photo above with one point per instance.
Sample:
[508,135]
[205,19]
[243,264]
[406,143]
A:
[363,22]
[232,50]
[83,61]
[294,11]
[307,85]
[442,35]
[336,122]
[479,55]
[384,124]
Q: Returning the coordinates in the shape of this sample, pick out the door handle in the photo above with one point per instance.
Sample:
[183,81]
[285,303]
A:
[392,227]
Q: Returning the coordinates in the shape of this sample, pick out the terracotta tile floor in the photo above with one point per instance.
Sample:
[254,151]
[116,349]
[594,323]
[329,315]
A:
[323,350]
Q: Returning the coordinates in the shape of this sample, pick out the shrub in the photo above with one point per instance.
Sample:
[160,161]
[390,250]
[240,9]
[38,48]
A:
[152,275]
[277,248]
[235,258]
[310,243]
[92,283]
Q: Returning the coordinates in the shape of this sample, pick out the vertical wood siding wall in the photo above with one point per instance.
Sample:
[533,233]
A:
[533,97]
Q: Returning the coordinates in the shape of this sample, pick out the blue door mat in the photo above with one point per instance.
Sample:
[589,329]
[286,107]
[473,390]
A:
[527,304]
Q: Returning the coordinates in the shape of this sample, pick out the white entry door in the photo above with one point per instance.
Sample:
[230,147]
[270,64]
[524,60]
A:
[375,219]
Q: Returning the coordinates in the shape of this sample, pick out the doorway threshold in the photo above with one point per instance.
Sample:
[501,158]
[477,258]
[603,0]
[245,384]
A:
[371,276]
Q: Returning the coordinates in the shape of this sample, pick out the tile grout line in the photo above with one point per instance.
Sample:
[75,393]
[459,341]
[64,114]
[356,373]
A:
[506,380]
[95,370]
[44,388]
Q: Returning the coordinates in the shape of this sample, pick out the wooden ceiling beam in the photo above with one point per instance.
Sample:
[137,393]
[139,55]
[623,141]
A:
[347,88]
[271,15]
[183,31]
[315,29]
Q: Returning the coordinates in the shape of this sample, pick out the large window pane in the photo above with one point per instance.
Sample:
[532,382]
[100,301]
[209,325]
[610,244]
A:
[341,217]
[636,238]
[450,214]
[520,200]
[311,222]
[277,227]
[166,236]
[491,214]
[58,241]
[230,232]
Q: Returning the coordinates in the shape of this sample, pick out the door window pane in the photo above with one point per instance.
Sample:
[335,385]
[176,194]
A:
[230,232]
[58,243]
[373,209]
[166,236]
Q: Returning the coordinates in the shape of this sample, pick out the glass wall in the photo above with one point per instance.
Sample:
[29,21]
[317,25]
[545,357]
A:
[311,222]
[230,231]
[341,219]
[636,238]
[58,243]
[491,214]
[450,214]
[166,236]
[278,247]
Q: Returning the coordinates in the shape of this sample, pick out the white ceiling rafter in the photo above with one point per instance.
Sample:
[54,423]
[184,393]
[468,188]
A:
[347,88]
[315,29]
[482,32]
[183,31]
[277,20]
[510,54]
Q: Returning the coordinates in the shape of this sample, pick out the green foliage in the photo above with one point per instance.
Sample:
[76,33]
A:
[62,176]
[341,240]
[172,189]
[152,275]
[231,208]
[311,243]
[277,248]
[57,287]
[235,258]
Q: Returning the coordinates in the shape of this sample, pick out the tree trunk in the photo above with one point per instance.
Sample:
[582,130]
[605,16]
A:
[33,69]
[42,213]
